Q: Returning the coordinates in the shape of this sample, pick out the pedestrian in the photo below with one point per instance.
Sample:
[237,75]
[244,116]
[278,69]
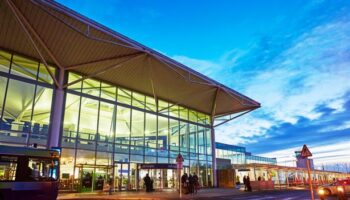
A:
[184,181]
[245,182]
[195,182]
[190,184]
[110,184]
[249,187]
[147,182]
[151,185]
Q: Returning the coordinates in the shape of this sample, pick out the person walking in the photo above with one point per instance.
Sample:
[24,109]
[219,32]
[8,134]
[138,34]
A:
[190,184]
[147,182]
[245,182]
[249,187]
[184,181]
[195,182]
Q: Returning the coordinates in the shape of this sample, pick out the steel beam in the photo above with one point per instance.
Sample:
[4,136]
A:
[100,60]
[104,70]
[22,21]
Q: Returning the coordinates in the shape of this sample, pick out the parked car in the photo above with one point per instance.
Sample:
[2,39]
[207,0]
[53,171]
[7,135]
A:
[339,187]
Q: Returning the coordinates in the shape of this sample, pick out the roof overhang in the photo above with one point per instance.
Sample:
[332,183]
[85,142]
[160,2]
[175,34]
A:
[54,34]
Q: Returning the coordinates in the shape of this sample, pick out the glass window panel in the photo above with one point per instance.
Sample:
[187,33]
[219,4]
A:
[150,151]
[44,75]
[104,146]
[72,77]
[209,174]
[174,110]
[108,91]
[121,148]
[202,176]
[201,140]
[123,125]
[18,106]
[163,107]
[104,158]
[193,116]
[88,118]
[85,157]
[138,100]
[151,104]
[136,150]
[71,115]
[207,119]
[137,129]
[124,96]
[184,137]
[192,137]
[136,158]
[208,141]
[194,166]
[42,106]
[121,157]
[183,113]
[67,162]
[163,134]
[91,87]
[151,131]
[41,115]
[107,122]
[3,82]
[24,67]
[150,159]
[5,59]
[201,118]
[163,160]
[174,135]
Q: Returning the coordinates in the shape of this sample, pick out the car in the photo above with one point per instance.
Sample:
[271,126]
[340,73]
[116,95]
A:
[339,187]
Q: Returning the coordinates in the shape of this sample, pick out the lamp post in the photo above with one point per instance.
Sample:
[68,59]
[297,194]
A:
[179,162]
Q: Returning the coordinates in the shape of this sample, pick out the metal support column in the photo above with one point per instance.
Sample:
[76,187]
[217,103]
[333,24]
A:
[215,184]
[56,128]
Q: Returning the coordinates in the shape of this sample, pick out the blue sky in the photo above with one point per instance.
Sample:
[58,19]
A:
[291,56]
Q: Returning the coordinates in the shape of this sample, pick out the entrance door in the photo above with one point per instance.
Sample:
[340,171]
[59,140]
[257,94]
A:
[92,177]
[86,176]
[121,176]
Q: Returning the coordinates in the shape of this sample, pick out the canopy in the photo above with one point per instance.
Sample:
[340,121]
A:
[52,33]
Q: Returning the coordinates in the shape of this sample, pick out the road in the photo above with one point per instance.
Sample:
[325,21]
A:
[270,195]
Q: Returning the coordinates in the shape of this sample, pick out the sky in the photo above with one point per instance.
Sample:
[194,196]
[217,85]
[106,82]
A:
[291,56]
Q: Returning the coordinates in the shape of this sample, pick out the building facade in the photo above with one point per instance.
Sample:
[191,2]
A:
[116,108]
[239,155]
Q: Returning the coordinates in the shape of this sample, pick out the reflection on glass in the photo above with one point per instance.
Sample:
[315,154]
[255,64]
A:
[151,133]
[5,59]
[123,125]
[24,67]
[137,129]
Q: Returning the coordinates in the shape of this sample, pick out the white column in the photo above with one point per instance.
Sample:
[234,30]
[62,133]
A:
[56,128]
[213,156]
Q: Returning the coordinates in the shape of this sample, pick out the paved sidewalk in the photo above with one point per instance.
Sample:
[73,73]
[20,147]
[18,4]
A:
[214,192]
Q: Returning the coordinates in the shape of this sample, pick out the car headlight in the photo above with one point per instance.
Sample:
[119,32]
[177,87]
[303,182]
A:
[321,192]
[340,189]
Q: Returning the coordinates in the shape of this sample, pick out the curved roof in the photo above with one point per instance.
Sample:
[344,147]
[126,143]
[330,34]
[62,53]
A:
[55,34]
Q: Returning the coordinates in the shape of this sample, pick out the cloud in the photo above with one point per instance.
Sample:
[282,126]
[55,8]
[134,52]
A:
[322,154]
[345,125]
[313,71]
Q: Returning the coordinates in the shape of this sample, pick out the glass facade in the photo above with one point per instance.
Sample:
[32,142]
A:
[108,131]
[238,155]
[111,130]
[26,92]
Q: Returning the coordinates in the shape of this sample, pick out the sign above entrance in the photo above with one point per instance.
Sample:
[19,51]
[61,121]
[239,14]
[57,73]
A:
[158,166]
[305,152]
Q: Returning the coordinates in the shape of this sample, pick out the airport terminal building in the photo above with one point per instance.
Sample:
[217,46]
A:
[116,107]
